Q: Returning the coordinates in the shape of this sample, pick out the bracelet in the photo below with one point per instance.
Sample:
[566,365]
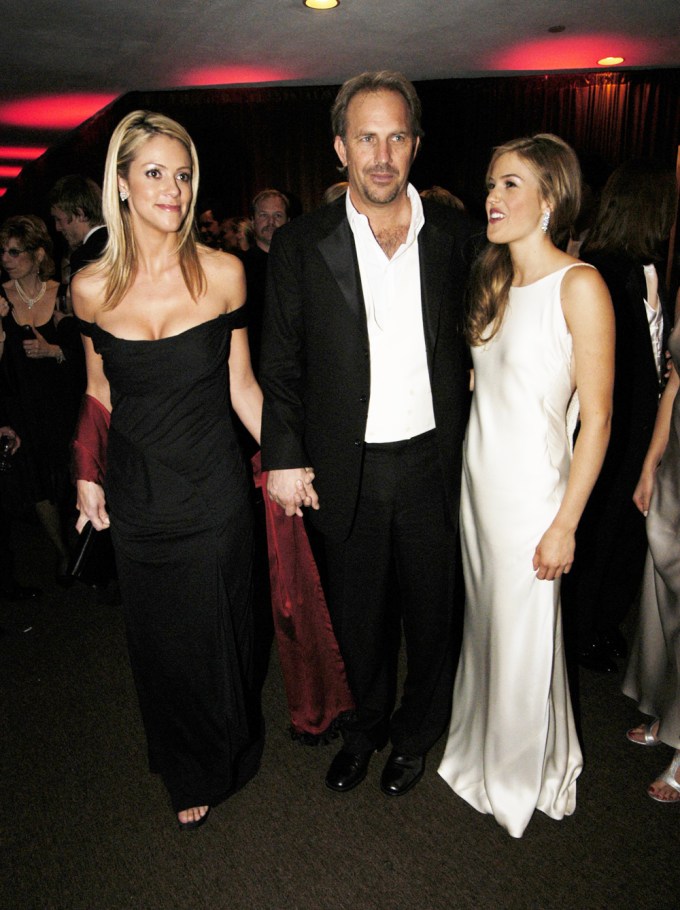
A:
[59,356]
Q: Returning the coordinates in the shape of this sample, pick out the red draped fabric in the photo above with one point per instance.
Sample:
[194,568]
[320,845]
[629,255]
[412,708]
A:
[89,443]
[313,671]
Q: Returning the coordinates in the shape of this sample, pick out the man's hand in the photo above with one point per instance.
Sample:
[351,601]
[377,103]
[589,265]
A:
[292,488]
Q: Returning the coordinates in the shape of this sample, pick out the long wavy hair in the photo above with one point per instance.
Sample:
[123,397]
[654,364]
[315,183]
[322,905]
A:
[556,167]
[118,262]
[636,211]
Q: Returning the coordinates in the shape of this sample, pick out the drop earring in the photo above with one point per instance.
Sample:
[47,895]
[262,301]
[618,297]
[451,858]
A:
[545,221]
[123,195]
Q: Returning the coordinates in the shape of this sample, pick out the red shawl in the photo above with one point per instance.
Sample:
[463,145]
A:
[313,670]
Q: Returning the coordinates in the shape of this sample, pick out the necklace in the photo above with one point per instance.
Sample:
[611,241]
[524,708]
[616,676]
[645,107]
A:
[30,301]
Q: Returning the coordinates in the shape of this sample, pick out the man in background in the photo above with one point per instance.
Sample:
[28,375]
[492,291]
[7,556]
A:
[76,206]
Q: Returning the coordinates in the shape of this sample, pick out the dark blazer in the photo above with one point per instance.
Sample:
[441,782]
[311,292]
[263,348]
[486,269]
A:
[90,250]
[315,358]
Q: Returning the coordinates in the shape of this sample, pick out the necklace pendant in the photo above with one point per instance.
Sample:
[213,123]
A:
[30,301]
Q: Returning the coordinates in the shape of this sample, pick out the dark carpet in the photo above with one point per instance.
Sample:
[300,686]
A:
[84,826]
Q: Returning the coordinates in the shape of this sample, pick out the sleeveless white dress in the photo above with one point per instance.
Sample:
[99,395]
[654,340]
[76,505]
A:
[512,745]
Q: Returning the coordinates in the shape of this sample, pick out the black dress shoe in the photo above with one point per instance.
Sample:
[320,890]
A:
[614,644]
[595,658]
[347,770]
[401,773]
[16,593]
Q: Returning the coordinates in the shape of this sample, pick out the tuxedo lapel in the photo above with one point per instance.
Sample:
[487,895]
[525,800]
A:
[434,250]
[337,249]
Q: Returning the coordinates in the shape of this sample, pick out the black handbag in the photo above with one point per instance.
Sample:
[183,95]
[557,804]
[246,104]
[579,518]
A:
[92,560]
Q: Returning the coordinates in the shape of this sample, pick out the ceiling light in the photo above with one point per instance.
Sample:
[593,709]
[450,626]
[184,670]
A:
[321,4]
[21,152]
[610,61]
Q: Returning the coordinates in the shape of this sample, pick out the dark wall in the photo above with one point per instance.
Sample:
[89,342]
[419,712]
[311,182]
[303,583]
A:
[251,138]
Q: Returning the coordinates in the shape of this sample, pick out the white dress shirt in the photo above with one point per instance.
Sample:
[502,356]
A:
[400,403]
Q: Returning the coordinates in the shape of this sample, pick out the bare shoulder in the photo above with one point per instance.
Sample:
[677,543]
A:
[581,280]
[585,300]
[225,276]
[215,262]
[88,288]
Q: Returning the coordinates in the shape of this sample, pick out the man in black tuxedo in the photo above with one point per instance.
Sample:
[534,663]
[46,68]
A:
[76,206]
[364,372]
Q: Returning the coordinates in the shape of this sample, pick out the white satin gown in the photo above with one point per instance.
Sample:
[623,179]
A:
[512,745]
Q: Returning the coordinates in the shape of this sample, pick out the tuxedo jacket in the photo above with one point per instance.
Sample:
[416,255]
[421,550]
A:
[315,360]
[90,250]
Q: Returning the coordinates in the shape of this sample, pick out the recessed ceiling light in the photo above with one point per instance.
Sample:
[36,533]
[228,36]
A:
[610,61]
[321,4]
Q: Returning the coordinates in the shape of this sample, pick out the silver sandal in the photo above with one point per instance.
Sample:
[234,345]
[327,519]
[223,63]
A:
[650,738]
[668,777]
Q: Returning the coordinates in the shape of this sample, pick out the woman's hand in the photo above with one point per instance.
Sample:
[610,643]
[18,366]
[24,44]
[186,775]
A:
[643,491]
[91,503]
[38,347]
[554,554]
[10,434]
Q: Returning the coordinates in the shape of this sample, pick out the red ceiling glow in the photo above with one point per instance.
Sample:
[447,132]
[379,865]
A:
[21,152]
[233,75]
[3,190]
[568,52]
[53,111]
[9,170]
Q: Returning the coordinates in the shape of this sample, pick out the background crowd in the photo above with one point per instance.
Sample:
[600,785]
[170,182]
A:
[43,378]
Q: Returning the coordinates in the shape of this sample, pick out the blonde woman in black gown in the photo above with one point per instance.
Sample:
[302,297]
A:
[167,351]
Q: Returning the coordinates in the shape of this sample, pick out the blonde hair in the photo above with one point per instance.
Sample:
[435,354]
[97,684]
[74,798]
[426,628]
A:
[118,259]
[557,170]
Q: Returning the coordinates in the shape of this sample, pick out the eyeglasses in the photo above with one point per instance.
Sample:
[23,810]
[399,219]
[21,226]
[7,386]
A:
[12,251]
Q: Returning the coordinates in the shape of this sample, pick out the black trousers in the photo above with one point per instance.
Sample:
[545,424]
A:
[396,571]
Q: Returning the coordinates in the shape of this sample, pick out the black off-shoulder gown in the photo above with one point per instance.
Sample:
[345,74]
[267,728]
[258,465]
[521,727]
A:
[181,523]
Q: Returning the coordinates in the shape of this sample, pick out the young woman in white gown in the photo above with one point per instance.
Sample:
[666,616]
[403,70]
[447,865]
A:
[541,327]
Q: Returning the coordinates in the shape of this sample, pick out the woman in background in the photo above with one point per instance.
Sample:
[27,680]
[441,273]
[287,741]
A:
[540,327]
[625,244]
[166,351]
[653,675]
[41,379]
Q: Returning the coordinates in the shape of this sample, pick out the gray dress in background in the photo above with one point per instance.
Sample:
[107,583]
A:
[653,674]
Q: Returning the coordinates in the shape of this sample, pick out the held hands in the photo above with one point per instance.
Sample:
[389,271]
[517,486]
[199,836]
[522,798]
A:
[92,506]
[292,489]
[554,554]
